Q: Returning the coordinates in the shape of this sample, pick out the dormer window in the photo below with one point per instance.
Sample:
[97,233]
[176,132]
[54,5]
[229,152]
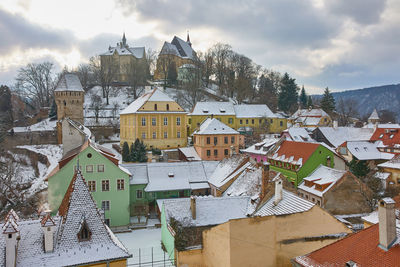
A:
[222,110]
[381,136]
[205,110]
[84,233]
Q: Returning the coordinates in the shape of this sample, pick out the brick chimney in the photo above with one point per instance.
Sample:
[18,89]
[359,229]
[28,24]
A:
[264,179]
[278,191]
[48,227]
[12,237]
[387,223]
[193,206]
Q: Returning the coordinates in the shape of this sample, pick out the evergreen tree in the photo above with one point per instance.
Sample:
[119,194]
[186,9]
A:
[172,74]
[359,167]
[125,152]
[141,152]
[328,102]
[53,111]
[133,152]
[288,94]
[309,102]
[303,98]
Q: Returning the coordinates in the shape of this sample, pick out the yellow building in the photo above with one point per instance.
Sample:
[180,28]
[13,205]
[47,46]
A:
[155,119]
[239,117]
[177,53]
[315,117]
[118,60]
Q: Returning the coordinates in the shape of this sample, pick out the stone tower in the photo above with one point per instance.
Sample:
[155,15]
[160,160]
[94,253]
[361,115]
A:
[69,97]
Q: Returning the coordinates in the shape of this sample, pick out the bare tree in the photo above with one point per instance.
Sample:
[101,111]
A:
[36,81]
[137,74]
[347,109]
[207,67]
[108,74]
[151,61]
[84,72]
[220,53]
[164,63]
[96,105]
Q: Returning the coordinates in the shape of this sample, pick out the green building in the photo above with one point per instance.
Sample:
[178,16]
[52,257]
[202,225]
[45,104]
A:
[296,160]
[107,181]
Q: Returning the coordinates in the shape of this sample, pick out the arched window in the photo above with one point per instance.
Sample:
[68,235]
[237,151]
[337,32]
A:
[167,106]
[65,103]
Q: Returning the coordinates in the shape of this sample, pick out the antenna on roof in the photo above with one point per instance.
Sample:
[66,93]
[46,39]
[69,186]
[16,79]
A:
[188,39]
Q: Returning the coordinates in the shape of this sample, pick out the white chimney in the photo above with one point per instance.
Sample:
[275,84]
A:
[11,235]
[193,206]
[48,227]
[387,223]
[335,124]
[278,191]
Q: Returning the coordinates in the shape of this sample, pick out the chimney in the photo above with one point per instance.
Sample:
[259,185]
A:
[264,179]
[278,191]
[12,237]
[387,223]
[48,227]
[335,124]
[193,206]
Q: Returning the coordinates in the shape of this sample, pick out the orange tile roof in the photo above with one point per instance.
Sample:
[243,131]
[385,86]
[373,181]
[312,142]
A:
[361,248]
[297,149]
[387,141]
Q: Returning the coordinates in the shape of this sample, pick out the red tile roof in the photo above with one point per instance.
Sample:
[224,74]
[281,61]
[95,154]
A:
[297,149]
[361,248]
[384,134]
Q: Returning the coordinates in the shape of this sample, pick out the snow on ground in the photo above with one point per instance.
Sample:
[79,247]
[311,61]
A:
[44,125]
[53,154]
[145,240]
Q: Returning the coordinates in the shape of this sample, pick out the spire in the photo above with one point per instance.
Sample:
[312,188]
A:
[188,39]
[123,39]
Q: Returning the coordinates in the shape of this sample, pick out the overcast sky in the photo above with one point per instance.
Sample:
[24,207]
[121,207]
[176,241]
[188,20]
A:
[336,43]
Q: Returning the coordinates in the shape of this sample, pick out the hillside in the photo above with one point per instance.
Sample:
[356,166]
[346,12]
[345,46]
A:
[379,97]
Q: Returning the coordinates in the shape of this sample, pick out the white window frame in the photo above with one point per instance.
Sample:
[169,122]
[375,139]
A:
[123,184]
[178,121]
[104,168]
[165,121]
[92,185]
[141,194]
[86,168]
[143,121]
[105,204]
[102,189]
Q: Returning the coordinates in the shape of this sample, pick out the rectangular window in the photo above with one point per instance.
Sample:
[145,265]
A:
[105,205]
[154,135]
[241,121]
[208,153]
[230,121]
[89,168]
[178,121]
[215,152]
[215,140]
[252,121]
[232,139]
[165,121]
[260,121]
[178,134]
[281,123]
[165,134]
[105,185]
[100,168]
[226,139]
[208,140]
[143,121]
[153,121]
[226,152]
[190,121]
[143,135]
[247,121]
[271,120]
[120,184]
[92,186]
[139,194]
[107,222]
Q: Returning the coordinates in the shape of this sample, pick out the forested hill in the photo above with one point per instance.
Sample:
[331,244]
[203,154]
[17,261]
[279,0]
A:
[379,97]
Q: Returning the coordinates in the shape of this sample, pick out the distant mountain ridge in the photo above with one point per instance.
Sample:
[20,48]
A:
[379,97]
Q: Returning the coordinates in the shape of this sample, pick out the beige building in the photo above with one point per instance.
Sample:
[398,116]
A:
[74,135]
[117,60]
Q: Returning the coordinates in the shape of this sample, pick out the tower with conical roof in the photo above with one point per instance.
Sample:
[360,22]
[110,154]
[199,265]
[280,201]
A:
[123,40]
[374,117]
[188,39]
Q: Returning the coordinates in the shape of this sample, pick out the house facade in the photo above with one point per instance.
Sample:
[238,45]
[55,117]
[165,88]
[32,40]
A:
[155,119]
[238,117]
[108,183]
[311,118]
[296,160]
[116,61]
[391,167]
[215,141]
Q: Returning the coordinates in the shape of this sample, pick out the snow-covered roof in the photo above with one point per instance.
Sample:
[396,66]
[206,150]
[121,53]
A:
[289,204]
[190,153]
[214,108]
[299,134]
[338,135]
[225,168]
[364,150]
[321,176]
[157,175]
[137,52]
[312,121]
[44,125]
[262,147]
[179,48]
[394,163]
[69,82]
[209,210]
[315,112]
[253,111]
[197,186]
[383,125]
[154,95]
[247,184]
[374,115]
[79,207]
[214,126]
